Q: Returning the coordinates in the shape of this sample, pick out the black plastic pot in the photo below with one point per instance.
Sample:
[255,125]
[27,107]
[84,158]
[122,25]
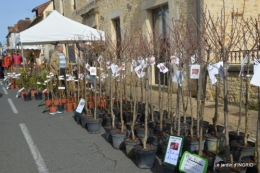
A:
[169,168]
[215,145]
[220,129]
[108,121]
[38,96]
[83,120]
[75,115]
[140,132]
[98,112]
[234,137]
[144,158]
[108,135]
[154,140]
[93,125]
[239,152]
[129,145]
[249,169]
[27,97]
[118,140]
[192,146]
[211,160]
[60,108]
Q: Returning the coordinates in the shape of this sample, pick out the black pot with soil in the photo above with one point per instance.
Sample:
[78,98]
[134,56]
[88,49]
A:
[210,156]
[215,143]
[234,136]
[38,96]
[156,140]
[83,120]
[220,129]
[145,157]
[239,150]
[118,138]
[27,97]
[108,135]
[129,145]
[167,168]
[250,160]
[140,132]
[191,144]
[93,125]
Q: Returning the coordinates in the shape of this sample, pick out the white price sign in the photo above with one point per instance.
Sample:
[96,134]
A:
[81,105]
[173,150]
[193,163]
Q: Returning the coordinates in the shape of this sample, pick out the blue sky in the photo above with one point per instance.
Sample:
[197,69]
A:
[12,11]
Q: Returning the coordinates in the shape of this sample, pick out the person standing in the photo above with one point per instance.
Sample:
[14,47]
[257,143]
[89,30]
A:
[59,64]
[1,69]
[7,63]
[17,61]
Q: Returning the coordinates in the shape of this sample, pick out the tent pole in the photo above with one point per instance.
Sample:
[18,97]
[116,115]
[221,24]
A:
[22,55]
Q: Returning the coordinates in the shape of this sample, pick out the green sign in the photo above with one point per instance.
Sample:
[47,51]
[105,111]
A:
[192,163]
[173,150]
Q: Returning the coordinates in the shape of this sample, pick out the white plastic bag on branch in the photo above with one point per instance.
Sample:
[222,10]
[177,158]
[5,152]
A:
[193,59]
[162,68]
[114,68]
[256,77]
[178,76]
[242,65]
[118,71]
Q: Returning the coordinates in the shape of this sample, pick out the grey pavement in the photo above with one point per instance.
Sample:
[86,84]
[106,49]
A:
[58,144]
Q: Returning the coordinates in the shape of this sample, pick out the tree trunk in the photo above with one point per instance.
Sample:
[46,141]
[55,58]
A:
[134,112]
[151,103]
[226,111]
[258,133]
[247,102]
[146,107]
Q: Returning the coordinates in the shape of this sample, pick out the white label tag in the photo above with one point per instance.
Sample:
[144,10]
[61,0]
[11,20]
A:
[61,88]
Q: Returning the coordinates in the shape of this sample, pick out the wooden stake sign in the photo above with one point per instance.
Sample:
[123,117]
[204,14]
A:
[192,163]
[173,150]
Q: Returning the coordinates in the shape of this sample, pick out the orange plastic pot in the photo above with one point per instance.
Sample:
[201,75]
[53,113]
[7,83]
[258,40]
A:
[72,99]
[88,98]
[75,105]
[69,107]
[56,102]
[22,93]
[104,104]
[33,93]
[97,104]
[104,97]
[91,104]
[63,100]
[12,86]
[16,87]
[48,102]
[52,109]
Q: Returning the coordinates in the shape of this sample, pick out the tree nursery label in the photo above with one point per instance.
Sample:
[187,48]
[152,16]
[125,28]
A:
[173,150]
[81,105]
[192,163]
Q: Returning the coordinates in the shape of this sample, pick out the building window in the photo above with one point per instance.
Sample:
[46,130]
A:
[161,30]
[73,2]
[116,23]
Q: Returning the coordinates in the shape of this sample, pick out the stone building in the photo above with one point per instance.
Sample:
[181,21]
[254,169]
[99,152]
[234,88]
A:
[117,16]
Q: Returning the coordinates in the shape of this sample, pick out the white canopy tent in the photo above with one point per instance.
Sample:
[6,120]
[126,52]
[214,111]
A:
[57,28]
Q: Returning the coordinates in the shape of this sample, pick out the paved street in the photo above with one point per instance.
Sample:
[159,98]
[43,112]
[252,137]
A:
[32,141]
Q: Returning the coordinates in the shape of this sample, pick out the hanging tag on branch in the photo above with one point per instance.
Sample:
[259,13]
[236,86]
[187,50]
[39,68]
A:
[123,66]
[139,71]
[139,59]
[174,60]
[99,59]
[162,68]
[118,71]
[108,64]
[151,61]
[212,70]
[133,64]
[61,88]
[93,71]
[88,66]
[195,71]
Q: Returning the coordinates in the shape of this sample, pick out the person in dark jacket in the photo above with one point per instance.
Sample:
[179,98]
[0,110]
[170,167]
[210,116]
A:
[1,69]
